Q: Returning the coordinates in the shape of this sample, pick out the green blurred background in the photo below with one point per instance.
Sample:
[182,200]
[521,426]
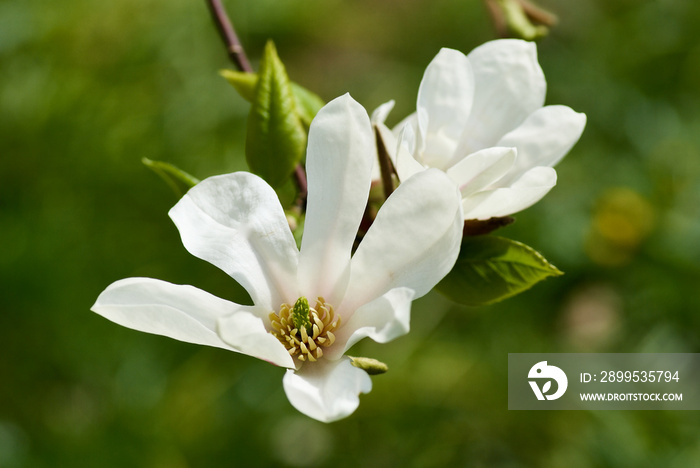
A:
[88,88]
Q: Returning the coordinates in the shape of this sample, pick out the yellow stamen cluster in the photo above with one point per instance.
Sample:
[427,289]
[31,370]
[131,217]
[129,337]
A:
[305,342]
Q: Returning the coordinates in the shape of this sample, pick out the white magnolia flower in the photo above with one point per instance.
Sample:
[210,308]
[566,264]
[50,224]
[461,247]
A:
[236,222]
[480,119]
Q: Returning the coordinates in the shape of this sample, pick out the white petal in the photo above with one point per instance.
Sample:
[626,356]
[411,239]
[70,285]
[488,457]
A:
[326,390]
[509,86]
[245,333]
[181,312]
[543,139]
[525,192]
[481,169]
[236,222]
[338,163]
[411,119]
[382,112]
[444,102]
[413,242]
[405,163]
[382,320]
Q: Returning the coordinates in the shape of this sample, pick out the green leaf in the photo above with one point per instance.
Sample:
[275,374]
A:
[276,137]
[243,82]
[178,180]
[490,269]
[307,102]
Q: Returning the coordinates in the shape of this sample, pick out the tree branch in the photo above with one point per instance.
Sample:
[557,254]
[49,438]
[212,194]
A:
[239,58]
[233,46]
[538,14]
[497,17]
[300,179]
[385,166]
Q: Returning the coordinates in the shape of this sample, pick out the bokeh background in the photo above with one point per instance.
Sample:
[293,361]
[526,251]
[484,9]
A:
[88,88]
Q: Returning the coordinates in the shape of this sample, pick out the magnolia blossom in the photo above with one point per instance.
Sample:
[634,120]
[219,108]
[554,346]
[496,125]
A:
[480,118]
[310,304]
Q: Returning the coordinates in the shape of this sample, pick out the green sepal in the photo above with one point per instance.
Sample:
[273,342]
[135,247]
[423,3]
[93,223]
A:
[519,23]
[177,179]
[276,137]
[490,269]
[307,102]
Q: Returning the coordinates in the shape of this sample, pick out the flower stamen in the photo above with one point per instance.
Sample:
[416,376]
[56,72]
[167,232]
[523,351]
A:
[305,330]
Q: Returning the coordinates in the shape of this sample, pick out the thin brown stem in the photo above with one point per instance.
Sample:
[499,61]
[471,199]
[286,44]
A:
[233,46]
[475,227]
[538,14]
[497,17]
[385,166]
[237,54]
[300,179]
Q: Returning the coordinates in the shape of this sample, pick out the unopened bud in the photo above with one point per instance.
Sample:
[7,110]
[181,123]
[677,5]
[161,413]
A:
[369,365]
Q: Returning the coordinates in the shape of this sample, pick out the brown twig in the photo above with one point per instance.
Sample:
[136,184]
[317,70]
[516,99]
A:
[385,166]
[233,46]
[497,17]
[237,54]
[300,179]
[537,14]
[475,227]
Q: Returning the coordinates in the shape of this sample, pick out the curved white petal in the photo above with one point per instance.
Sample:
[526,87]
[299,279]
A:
[245,333]
[181,312]
[326,390]
[543,139]
[413,242]
[339,164]
[382,320]
[445,99]
[509,86]
[481,169]
[525,192]
[405,163]
[235,221]
[411,119]
[382,112]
